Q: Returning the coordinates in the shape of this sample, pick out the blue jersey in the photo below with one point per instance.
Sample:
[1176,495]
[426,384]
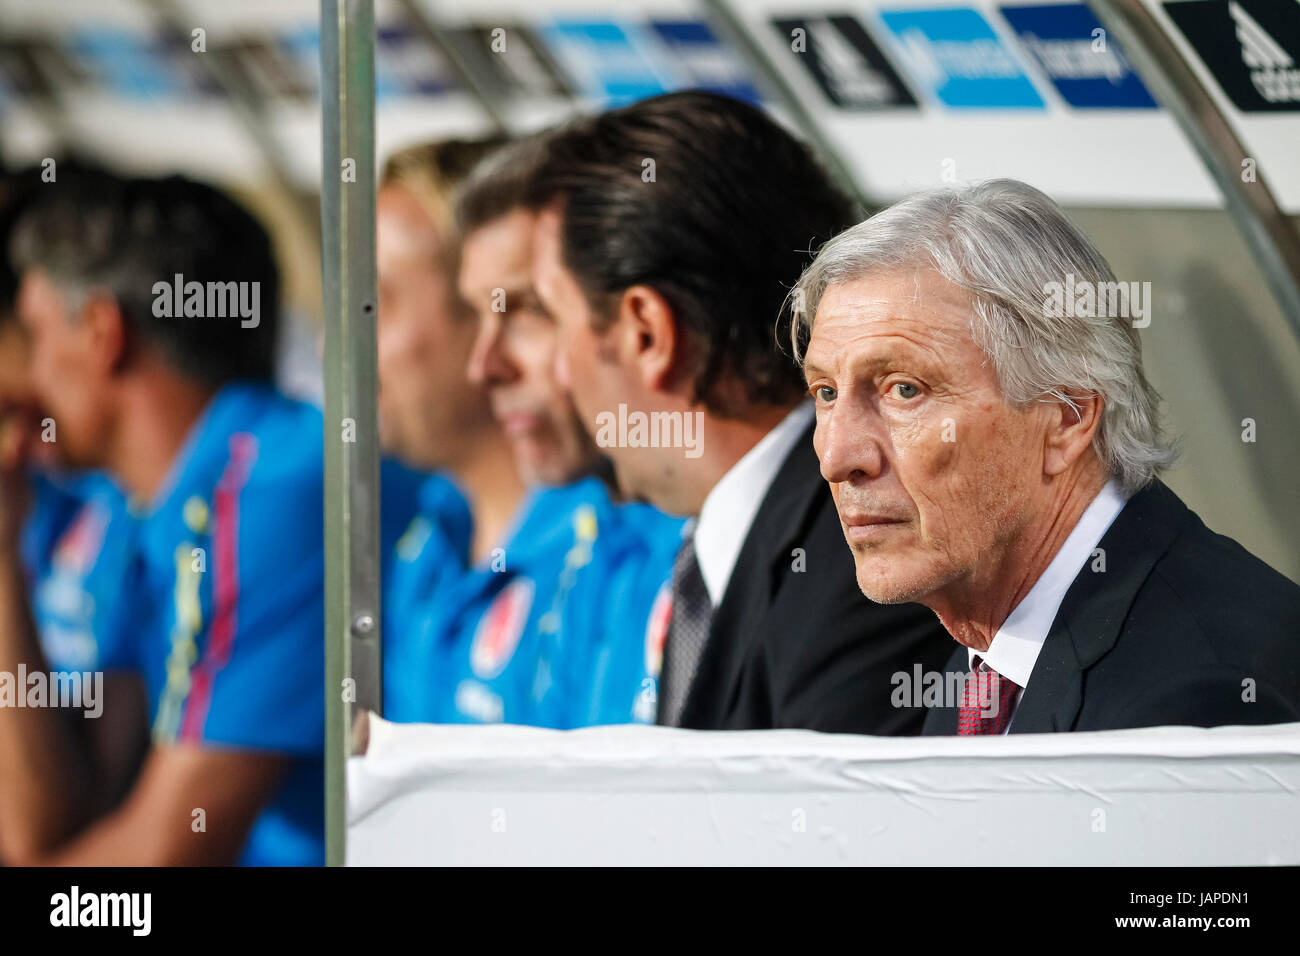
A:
[53,503]
[76,547]
[617,620]
[546,620]
[500,622]
[429,557]
[230,612]
[400,490]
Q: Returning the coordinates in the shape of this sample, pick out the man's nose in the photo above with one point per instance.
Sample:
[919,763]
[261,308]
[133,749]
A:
[487,362]
[562,377]
[849,444]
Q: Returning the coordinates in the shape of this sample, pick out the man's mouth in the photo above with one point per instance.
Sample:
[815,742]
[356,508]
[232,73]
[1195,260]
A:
[520,422]
[868,526]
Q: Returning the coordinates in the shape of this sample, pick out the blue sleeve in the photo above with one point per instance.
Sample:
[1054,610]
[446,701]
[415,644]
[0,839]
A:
[78,551]
[399,503]
[111,585]
[619,620]
[427,561]
[414,661]
[52,507]
[260,679]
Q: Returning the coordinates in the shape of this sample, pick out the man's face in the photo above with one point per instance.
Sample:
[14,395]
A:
[515,354]
[932,472]
[18,408]
[15,363]
[69,373]
[586,359]
[426,408]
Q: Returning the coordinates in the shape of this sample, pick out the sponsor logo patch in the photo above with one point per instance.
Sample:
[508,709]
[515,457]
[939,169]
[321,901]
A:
[498,633]
[656,631]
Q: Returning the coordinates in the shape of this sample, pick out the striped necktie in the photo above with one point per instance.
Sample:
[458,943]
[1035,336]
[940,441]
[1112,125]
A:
[688,632]
[987,701]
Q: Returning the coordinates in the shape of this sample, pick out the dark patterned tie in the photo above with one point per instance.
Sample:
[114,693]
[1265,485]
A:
[987,701]
[688,632]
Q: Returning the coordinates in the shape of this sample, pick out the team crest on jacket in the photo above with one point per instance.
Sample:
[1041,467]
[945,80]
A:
[656,630]
[498,633]
[79,545]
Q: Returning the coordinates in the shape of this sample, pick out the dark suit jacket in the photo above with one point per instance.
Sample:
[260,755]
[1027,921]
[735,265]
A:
[1166,635]
[803,648]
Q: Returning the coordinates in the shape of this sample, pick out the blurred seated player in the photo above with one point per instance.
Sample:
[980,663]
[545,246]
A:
[430,417]
[77,524]
[476,597]
[73,542]
[166,386]
[566,621]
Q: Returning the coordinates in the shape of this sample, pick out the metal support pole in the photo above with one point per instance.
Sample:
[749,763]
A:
[1268,233]
[242,98]
[440,40]
[352,624]
[724,18]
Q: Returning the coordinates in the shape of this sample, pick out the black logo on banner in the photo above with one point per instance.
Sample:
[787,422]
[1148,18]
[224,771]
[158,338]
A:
[1251,46]
[845,62]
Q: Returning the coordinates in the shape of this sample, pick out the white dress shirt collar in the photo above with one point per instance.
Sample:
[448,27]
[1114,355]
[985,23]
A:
[729,509]
[1014,648]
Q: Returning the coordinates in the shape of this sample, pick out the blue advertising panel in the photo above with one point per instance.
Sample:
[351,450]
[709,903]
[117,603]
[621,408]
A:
[703,61]
[1085,65]
[606,59]
[957,56]
[130,65]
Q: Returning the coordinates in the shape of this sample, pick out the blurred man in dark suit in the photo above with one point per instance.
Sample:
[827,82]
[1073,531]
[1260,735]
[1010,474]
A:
[993,447]
[669,235]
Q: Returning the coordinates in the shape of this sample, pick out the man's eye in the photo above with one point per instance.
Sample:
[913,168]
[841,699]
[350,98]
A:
[907,390]
[825,393]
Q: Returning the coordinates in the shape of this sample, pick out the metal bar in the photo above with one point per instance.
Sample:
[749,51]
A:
[1266,229]
[730,25]
[52,109]
[479,88]
[228,73]
[352,623]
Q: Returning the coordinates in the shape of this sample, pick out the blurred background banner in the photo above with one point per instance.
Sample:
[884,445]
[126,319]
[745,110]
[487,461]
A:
[912,94]
[898,96]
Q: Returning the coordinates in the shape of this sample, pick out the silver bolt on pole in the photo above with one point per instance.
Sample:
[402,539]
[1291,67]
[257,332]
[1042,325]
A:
[352,651]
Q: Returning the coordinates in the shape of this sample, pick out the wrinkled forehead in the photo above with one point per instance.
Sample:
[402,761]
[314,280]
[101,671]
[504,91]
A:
[890,309]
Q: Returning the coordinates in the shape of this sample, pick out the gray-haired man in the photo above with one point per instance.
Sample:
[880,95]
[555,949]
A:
[993,448]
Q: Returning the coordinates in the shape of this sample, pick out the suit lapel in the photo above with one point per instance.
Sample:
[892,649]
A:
[780,520]
[1094,609]
[942,720]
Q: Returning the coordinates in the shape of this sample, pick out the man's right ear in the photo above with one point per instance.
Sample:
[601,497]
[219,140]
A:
[648,339]
[106,335]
